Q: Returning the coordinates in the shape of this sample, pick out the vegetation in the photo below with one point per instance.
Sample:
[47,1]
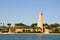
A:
[9,24]
[4,29]
[33,25]
[54,27]
[20,25]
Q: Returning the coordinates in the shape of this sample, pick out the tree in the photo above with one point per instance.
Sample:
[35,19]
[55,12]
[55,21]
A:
[9,24]
[56,24]
[52,26]
[57,30]
[45,24]
[20,25]
[33,24]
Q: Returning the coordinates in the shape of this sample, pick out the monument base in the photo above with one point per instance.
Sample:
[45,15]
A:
[46,31]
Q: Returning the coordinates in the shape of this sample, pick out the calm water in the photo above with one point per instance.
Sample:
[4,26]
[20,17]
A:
[29,36]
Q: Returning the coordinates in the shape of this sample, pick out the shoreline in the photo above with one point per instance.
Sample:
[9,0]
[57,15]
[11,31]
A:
[30,33]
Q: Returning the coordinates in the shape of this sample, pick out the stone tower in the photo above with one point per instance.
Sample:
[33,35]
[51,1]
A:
[40,21]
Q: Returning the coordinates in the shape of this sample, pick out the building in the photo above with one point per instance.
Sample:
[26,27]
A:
[37,29]
[20,29]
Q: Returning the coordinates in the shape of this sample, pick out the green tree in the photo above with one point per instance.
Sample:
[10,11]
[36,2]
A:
[9,24]
[45,24]
[33,24]
[20,25]
[52,26]
[56,24]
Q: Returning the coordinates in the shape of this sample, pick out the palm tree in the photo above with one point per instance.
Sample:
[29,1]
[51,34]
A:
[9,24]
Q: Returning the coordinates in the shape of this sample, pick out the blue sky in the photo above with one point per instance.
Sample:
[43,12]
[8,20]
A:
[26,11]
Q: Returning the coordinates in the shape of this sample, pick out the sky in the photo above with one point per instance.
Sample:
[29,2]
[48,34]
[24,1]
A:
[27,11]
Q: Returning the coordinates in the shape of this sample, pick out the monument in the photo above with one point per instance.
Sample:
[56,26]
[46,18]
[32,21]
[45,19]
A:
[40,21]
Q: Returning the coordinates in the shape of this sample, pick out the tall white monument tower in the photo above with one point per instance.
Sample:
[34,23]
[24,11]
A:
[40,21]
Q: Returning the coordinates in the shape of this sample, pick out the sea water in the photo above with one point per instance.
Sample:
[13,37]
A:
[29,36]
